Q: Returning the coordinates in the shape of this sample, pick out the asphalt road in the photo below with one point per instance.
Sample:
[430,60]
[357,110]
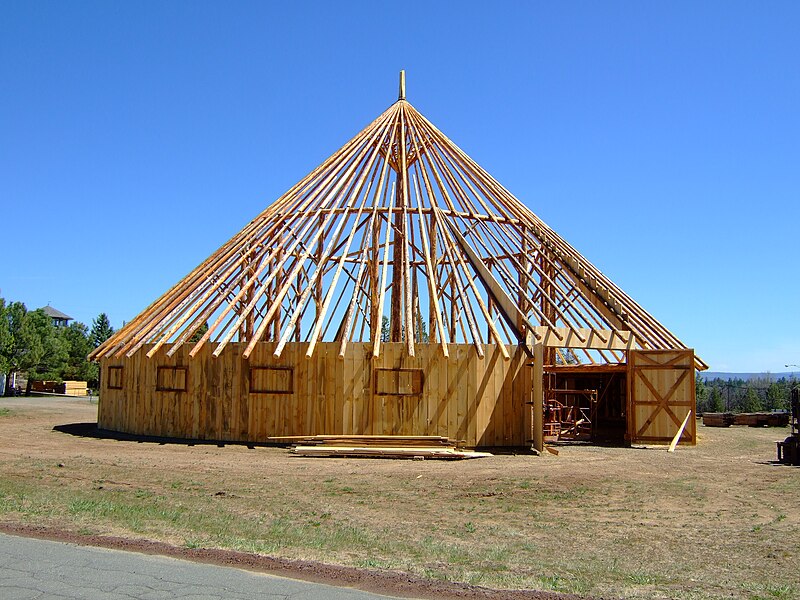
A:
[32,568]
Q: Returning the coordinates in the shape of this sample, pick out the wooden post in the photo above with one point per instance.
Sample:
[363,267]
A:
[402,94]
[522,278]
[453,309]
[433,326]
[273,291]
[397,268]
[374,282]
[320,265]
[546,305]
[536,417]
[489,303]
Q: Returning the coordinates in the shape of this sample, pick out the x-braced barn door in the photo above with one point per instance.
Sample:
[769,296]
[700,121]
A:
[660,394]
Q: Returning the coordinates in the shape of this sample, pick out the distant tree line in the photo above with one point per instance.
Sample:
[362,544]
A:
[32,345]
[758,394]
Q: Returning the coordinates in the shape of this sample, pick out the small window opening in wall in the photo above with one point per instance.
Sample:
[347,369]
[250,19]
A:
[115,377]
[171,379]
[271,380]
[398,382]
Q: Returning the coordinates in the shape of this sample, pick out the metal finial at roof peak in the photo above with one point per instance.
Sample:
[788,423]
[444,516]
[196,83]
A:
[402,94]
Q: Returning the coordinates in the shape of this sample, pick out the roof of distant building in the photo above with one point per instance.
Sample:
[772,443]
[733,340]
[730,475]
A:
[55,313]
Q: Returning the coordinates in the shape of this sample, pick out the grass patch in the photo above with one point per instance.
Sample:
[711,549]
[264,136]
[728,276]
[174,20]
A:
[5,412]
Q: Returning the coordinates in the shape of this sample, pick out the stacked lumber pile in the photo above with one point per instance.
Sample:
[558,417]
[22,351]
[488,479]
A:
[73,388]
[759,419]
[718,419]
[68,388]
[762,419]
[48,387]
[382,446]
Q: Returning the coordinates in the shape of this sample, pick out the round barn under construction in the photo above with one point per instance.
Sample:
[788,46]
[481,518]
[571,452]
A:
[398,289]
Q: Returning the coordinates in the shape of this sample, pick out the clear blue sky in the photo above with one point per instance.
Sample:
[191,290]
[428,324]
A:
[660,139]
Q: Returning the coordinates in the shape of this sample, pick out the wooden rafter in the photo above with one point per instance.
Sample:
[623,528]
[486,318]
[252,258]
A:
[399,218]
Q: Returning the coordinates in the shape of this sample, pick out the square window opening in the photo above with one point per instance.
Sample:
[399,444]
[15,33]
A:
[399,382]
[271,380]
[115,377]
[171,379]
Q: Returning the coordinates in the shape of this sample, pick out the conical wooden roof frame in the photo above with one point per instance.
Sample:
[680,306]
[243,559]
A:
[398,231]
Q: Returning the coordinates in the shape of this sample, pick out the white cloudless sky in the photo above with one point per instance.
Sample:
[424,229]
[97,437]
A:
[662,140]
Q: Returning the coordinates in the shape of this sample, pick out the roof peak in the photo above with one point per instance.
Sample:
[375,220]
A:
[402,93]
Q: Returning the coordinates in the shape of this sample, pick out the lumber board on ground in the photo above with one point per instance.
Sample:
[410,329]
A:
[408,441]
[386,452]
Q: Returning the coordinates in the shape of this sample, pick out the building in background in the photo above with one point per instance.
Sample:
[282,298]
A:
[59,318]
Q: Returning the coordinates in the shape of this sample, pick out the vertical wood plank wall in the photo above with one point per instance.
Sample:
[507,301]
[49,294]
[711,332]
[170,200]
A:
[478,400]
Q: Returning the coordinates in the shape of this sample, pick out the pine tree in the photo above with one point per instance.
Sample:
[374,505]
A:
[199,333]
[775,397]
[752,402]
[385,336]
[101,330]
[24,346]
[54,350]
[717,402]
[5,337]
[701,394]
[76,338]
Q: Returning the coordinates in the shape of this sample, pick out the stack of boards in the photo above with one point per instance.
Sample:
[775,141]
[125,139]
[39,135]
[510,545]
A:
[717,419]
[382,446]
[68,388]
[759,419]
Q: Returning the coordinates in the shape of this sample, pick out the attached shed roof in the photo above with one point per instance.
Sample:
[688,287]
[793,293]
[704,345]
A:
[398,236]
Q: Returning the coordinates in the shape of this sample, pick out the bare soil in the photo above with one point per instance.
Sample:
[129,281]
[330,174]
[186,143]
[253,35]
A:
[712,521]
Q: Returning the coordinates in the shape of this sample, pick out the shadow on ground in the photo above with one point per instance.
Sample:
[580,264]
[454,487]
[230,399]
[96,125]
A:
[91,430]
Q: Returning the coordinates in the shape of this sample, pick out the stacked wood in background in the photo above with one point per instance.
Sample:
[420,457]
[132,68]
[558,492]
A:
[44,386]
[381,446]
[69,388]
[762,419]
[717,419]
[759,419]
[72,388]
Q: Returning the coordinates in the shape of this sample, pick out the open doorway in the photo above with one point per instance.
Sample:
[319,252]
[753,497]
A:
[585,403]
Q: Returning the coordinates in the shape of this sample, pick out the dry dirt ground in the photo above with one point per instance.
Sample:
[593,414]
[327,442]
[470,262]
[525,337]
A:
[719,520]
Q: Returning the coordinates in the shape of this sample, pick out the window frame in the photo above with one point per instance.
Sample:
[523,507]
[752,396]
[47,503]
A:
[251,380]
[417,380]
[120,378]
[160,388]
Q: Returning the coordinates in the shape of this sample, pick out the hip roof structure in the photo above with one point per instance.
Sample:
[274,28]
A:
[399,236]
